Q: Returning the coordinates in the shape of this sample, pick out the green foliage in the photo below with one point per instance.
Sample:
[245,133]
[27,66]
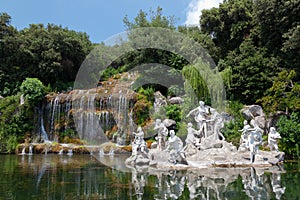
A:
[195,83]
[229,24]
[204,39]
[151,19]
[68,133]
[173,111]
[141,111]
[33,90]
[289,129]
[148,93]
[230,130]
[15,121]
[51,53]
[252,72]
[231,133]
[284,95]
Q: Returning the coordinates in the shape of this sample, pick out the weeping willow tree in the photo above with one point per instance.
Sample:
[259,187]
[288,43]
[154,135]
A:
[204,83]
[195,85]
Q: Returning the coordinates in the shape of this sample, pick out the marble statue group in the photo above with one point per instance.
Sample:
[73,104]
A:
[204,144]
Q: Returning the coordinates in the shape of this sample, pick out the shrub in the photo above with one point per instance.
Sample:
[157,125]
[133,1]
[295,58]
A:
[289,129]
[33,90]
[173,112]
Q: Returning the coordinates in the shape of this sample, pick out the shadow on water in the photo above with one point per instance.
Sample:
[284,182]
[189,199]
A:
[84,177]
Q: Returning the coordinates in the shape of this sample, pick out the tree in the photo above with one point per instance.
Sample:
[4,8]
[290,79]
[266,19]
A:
[33,90]
[229,24]
[252,72]
[52,53]
[151,19]
[275,18]
[284,95]
[195,84]
[205,40]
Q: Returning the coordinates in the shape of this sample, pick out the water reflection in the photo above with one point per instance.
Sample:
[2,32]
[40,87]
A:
[213,183]
[83,177]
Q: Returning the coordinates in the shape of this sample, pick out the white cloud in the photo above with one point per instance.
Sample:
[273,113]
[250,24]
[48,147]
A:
[195,7]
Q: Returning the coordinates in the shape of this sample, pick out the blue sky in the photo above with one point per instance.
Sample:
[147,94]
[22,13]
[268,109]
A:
[100,19]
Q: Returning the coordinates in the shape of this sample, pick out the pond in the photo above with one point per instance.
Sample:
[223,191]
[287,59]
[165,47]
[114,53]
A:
[55,177]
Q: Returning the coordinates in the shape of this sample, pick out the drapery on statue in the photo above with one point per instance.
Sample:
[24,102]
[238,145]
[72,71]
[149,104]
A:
[217,123]
[201,117]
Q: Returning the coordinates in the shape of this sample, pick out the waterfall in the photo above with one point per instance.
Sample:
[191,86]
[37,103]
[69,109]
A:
[88,119]
[30,150]
[42,132]
[22,101]
[93,114]
[55,112]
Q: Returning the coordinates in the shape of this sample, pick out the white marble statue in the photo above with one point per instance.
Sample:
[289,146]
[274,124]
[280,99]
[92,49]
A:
[217,123]
[273,136]
[175,147]
[193,137]
[244,144]
[162,133]
[140,152]
[201,116]
[254,140]
[138,143]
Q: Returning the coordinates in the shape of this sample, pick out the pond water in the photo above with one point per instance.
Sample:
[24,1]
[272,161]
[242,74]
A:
[88,177]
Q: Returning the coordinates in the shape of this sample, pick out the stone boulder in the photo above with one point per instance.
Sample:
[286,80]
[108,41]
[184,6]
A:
[170,123]
[255,113]
[176,100]
[160,101]
[252,111]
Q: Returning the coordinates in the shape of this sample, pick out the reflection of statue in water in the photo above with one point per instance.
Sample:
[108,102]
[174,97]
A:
[201,115]
[162,133]
[276,185]
[253,185]
[194,184]
[273,136]
[175,148]
[139,181]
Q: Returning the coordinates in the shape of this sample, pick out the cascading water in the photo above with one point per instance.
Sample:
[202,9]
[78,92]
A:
[42,132]
[93,114]
[30,150]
